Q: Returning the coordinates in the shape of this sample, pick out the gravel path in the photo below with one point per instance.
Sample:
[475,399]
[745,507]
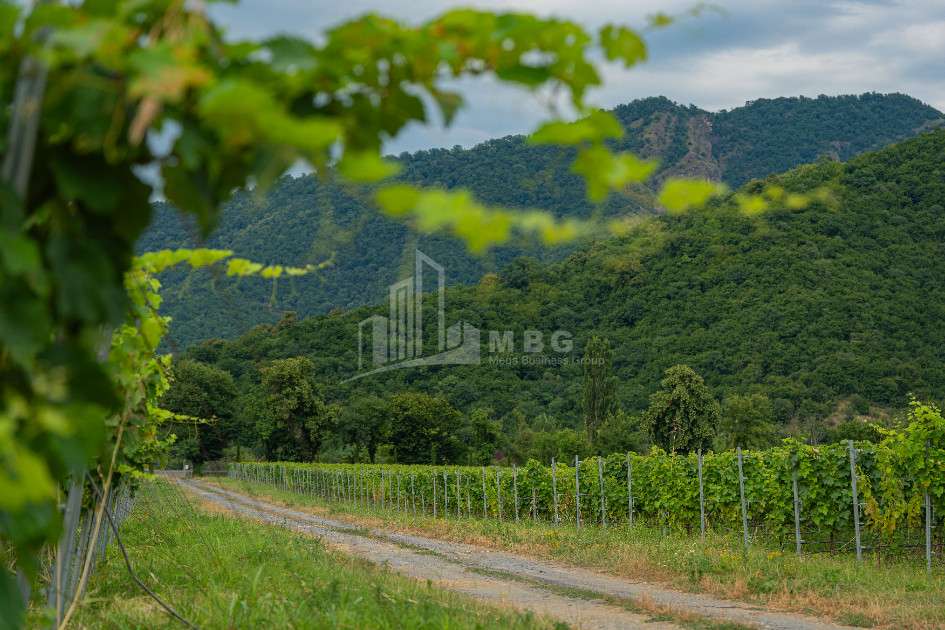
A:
[449,568]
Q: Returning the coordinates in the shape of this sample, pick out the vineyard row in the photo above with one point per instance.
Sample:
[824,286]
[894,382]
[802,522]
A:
[858,497]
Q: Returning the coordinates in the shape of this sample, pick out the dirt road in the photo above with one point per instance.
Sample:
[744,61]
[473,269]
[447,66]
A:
[503,576]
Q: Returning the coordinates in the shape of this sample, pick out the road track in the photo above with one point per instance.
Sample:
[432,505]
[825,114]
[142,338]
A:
[506,577]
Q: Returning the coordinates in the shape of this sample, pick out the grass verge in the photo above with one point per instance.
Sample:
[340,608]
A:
[832,587]
[220,571]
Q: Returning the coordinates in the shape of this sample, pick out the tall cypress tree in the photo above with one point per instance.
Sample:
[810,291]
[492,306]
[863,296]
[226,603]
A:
[600,400]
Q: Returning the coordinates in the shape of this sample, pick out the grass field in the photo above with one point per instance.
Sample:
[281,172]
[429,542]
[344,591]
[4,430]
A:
[897,595]
[219,571]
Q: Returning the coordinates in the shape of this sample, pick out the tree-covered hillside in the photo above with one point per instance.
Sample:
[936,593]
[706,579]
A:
[840,299]
[311,221]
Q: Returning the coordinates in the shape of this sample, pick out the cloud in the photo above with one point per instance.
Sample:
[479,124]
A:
[750,49]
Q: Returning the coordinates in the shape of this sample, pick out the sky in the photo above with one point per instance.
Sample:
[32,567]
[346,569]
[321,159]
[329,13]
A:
[735,51]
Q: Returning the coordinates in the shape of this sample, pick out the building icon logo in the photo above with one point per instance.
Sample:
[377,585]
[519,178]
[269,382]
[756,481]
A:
[398,341]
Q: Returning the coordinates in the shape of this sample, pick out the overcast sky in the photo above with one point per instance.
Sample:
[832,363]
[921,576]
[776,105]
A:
[748,49]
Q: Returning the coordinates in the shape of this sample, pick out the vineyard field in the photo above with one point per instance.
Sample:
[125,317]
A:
[796,493]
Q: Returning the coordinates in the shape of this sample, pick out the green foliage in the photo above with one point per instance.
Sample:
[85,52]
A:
[859,404]
[851,430]
[310,220]
[619,433]
[682,416]
[600,401]
[423,428]
[838,126]
[911,469]
[485,435]
[295,419]
[746,421]
[365,423]
[892,479]
[202,391]
[805,306]
[74,204]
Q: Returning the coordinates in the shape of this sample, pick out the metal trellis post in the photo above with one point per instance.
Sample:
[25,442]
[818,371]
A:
[498,493]
[554,489]
[741,486]
[797,514]
[629,490]
[485,510]
[928,519]
[603,509]
[515,491]
[701,497]
[856,501]
[577,494]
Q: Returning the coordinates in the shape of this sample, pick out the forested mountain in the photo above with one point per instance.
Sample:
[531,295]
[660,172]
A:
[309,220]
[840,299]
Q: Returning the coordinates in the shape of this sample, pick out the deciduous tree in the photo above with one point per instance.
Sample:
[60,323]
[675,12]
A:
[423,429]
[682,416]
[365,423]
[296,418]
[746,421]
[206,393]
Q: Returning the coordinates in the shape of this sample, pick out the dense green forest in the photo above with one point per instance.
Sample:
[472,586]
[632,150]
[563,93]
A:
[783,317]
[308,220]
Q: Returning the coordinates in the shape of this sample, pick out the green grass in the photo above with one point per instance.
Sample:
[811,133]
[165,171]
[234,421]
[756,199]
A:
[898,595]
[220,571]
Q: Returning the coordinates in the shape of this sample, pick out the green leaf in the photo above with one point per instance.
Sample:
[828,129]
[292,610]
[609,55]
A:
[165,71]
[189,192]
[397,200]
[366,166]
[242,267]
[678,195]
[751,204]
[82,40]
[449,103]
[595,127]
[526,75]
[606,171]
[24,322]
[20,465]
[622,43]
[272,271]
[204,257]
[20,254]
[87,179]
[11,602]
[290,54]
[660,20]
[246,113]
[9,15]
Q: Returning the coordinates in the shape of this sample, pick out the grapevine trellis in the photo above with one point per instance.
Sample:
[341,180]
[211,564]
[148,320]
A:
[827,498]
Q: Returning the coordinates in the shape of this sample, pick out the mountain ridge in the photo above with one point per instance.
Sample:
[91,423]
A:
[308,221]
[807,306]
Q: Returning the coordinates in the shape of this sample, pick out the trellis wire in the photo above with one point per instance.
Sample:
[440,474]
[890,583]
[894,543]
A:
[352,485]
